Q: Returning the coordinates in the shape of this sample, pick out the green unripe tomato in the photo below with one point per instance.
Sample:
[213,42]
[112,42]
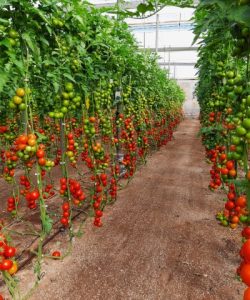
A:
[12,105]
[246,123]
[241,131]
[64,110]
[69,87]
[66,103]
[22,106]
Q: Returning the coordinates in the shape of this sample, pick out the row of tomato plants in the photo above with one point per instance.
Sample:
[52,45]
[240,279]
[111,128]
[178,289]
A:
[81,109]
[223,92]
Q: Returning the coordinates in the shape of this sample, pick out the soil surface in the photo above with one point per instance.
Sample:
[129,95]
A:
[160,240]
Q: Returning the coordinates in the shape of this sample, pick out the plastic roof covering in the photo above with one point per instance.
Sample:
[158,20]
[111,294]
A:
[175,30]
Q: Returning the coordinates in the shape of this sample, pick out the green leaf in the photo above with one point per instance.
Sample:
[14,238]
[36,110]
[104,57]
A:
[240,14]
[69,77]
[41,137]
[29,41]
[221,3]
[56,86]
[142,8]
[4,3]
[3,80]
[4,21]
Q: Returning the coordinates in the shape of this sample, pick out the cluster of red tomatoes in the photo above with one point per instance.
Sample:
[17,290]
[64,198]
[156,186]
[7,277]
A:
[7,254]
[222,168]
[216,156]
[214,116]
[66,214]
[244,269]
[235,208]
[71,148]
[12,203]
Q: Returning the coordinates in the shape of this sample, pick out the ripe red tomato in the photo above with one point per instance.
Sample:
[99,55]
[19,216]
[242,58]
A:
[6,264]
[64,221]
[96,205]
[99,213]
[77,186]
[245,251]
[66,214]
[246,232]
[224,171]
[9,251]
[237,209]
[70,136]
[34,195]
[40,153]
[229,205]
[1,297]
[56,254]
[247,294]
[63,181]
[22,139]
[223,156]
[65,206]
[42,161]
[230,165]
[245,274]
[103,177]
[241,201]
[231,196]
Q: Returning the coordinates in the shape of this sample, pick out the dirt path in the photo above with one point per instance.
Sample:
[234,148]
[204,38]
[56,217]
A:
[159,241]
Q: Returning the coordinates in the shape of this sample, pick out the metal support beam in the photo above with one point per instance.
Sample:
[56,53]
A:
[126,5]
[173,49]
[177,63]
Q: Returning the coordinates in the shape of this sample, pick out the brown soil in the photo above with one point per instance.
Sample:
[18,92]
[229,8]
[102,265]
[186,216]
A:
[160,240]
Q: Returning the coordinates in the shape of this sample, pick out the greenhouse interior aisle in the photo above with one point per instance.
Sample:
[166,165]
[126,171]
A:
[159,240]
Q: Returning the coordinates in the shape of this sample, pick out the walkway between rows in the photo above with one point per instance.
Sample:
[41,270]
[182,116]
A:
[159,241]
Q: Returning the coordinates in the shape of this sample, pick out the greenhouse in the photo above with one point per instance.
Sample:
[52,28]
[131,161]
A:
[124,149]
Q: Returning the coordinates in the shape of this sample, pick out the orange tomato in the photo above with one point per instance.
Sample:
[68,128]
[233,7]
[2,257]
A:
[232,173]
[98,145]
[233,225]
[31,142]
[92,119]
[235,219]
[32,136]
[76,201]
[13,269]
[21,146]
[248,175]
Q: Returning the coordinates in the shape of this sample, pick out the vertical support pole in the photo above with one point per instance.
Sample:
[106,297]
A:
[144,35]
[157,33]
